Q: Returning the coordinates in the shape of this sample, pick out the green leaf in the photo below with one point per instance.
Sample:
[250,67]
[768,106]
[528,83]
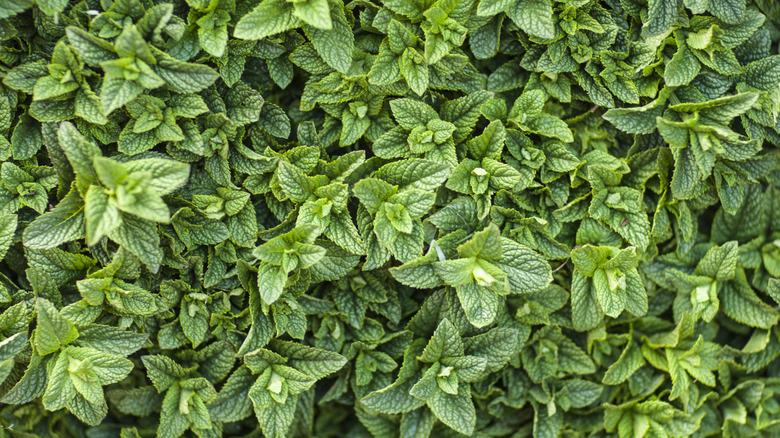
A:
[276,418]
[30,386]
[411,113]
[184,77]
[165,176]
[59,390]
[549,126]
[385,69]
[52,331]
[116,93]
[464,112]
[212,33]
[488,8]
[101,216]
[729,11]
[629,361]
[9,8]
[741,304]
[496,346]
[108,368]
[534,17]
[79,151]
[51,7]
[8,223]
[92,49]
[414,70]
[585,311]
[314,13]
[526,270]
[455,411]
[194,323]
[12,345]
[764,73]
[661,16]
[267,18]
[316,363]
[87,106]
[26,138]
[682,68]
[610,302]
[232,402]
[335,45]
[274,120]
[636,120]
[479,303]
[270,282]
[162,371]
[141,239]
[621,209]
[414,173]
[111,339]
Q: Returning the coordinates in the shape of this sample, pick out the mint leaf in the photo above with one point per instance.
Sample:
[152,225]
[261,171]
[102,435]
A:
[268,18]
[53,331]
[452,217]
[535,17]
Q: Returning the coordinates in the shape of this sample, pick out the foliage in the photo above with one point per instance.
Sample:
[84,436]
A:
[390,218]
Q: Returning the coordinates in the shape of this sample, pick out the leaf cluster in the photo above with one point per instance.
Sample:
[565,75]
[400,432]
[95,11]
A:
[389,218]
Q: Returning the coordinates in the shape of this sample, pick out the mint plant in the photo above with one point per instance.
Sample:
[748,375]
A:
[393,218]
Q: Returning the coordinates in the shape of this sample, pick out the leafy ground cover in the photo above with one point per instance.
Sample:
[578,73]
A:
[389,218]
